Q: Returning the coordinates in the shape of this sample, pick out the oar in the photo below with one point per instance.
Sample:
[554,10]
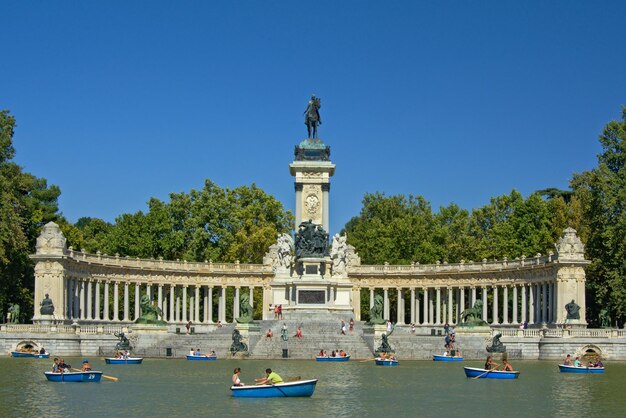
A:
[115,379]
[363,361]
[483,374]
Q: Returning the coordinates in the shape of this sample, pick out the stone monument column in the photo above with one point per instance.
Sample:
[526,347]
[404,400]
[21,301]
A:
[312,170]
[50,265]
[570,277]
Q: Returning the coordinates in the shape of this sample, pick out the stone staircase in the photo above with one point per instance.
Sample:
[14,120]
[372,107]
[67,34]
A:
[317,335]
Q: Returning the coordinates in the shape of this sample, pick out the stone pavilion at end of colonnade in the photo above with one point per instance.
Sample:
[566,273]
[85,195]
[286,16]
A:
[318,282]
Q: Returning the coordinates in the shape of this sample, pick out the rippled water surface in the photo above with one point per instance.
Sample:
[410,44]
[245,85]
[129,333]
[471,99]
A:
[415,388]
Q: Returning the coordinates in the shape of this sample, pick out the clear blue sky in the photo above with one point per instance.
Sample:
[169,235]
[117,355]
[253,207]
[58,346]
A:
[457,101]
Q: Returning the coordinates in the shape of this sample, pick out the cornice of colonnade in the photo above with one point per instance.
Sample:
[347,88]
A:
[102,267]
[518,272]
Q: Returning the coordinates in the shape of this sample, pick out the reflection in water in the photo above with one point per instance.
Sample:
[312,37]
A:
[415,388]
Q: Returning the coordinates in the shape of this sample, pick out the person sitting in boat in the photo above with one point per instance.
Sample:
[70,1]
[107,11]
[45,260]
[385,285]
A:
[63,366]
[342,353]
[321,354]
[42,351]
[236,380]
[198,352]
[269,333]
[271,378]
[126,355]
[568,361]
[332,353]
[599,363]
[577,362]
[86,366]
[507,366]
[191,352]
[212,353]
[490,364]
[55,366]
[446,353]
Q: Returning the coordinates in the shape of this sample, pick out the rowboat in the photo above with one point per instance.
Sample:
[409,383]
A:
[447,358]
[129,360]
[386,362]
[22,354]
[45,355]
[301,388]
[74,376]
[491,374]
[201,358]
[338,358]
[573,369]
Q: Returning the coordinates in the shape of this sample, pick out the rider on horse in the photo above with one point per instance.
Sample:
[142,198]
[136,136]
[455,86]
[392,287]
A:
[312,116]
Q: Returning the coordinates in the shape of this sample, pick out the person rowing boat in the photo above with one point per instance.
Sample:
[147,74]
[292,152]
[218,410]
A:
[271,378]
[490,364]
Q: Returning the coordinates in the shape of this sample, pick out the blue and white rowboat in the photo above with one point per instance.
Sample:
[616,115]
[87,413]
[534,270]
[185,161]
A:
[21,354]
[45,355]
[337,359]
[129,360]
[573,369]
[201,358]
[491,374]
[447,358]
[74,376]
[386,362]
[301,388]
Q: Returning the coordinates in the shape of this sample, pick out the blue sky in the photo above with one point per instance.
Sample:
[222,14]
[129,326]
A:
[457,101]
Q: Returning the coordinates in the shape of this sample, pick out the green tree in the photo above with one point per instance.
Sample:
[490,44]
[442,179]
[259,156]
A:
[602,196]
[26,204]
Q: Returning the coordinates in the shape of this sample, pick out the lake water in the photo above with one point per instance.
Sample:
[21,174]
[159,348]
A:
[162,387]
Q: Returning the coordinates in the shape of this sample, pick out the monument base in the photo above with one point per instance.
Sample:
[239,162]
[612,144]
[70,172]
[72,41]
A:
[45,320]
[479,330]
[149,328]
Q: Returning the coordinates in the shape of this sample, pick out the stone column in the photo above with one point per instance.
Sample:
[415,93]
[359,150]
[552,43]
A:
[192,301]
[137,300]
[457,306]
[68,298]
[473,295]
[438,307]
[172,316]
[149,291]
[462,298]
[417,307]
[81,298]
[160,301]
[251,293]
[400,319]
[97,302]
[425,316]
[431,307]
[524,303]
[551,316]
[515,321]
[185,303]
[197,313]
[89,299]
[126,302]
[222,305]
[544,305]
[495,306]
[450,318]
[236,303]
[177,311]
[105,308]
[332,295]
[413,306]
[531,304]
[116,301]
[371,297]
[484,303]
[505,305]
[205,304]
[210,307]
[386,303]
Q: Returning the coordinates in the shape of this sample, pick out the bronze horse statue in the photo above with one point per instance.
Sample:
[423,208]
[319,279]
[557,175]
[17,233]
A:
[312,116]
